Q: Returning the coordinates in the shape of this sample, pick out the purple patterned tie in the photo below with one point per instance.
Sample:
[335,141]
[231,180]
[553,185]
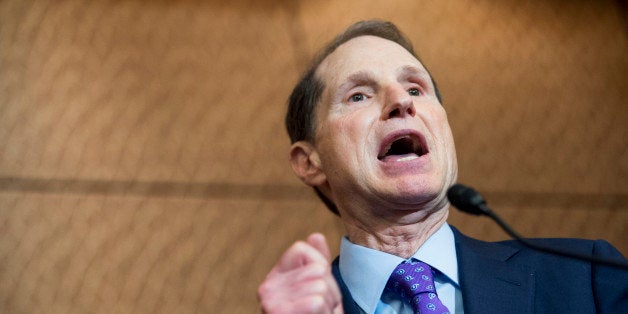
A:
[414,281]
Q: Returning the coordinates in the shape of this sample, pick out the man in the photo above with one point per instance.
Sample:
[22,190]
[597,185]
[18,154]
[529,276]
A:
[370,135]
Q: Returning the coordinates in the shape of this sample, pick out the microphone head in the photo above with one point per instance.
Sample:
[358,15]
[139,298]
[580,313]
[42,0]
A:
[467,200]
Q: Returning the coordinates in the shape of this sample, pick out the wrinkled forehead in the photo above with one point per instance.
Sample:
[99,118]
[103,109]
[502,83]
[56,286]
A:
[366,54]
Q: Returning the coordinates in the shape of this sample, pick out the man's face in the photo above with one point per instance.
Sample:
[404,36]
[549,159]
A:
[382,136]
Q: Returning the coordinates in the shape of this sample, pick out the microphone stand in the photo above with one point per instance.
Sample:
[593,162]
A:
[468,200]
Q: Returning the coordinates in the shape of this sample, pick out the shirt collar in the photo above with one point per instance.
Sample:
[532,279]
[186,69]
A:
[365,271]
[439,251]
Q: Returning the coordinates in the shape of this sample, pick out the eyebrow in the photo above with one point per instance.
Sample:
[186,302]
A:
[365,77]
[357,78]
[413,70]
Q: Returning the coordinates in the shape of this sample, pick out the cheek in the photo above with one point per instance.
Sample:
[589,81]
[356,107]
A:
[447,141]
[333,140]
[344,140]
[351,128]
[438,125]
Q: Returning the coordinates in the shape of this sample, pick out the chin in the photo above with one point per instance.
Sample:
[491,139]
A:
[417,193]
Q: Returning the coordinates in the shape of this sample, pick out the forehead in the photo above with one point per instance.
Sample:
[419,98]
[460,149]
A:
[366,54]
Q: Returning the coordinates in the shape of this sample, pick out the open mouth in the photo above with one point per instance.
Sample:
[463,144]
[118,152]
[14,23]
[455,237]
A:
[402,147]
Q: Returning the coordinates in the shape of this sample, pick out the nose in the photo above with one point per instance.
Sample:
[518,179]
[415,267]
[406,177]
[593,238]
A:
[398,103]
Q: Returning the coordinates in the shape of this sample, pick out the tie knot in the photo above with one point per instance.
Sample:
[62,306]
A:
[413,281]
[411,278]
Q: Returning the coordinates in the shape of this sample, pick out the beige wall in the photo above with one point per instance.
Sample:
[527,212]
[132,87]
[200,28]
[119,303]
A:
[143,155]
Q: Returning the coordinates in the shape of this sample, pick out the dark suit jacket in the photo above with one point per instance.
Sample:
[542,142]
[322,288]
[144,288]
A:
[507,277]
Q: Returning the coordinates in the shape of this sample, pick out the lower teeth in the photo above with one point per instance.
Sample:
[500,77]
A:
[407,158]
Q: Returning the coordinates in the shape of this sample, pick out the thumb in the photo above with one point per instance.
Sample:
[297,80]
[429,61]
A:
[318,241]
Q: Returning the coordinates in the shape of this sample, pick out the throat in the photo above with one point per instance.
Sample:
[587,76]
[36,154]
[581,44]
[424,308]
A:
[401,240]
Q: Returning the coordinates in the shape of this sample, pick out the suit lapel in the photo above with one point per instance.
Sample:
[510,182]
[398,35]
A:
[489,283]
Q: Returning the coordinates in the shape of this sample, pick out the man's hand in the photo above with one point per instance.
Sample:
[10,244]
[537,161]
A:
[301,281]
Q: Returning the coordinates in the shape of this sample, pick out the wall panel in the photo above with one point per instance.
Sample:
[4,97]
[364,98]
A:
[172,91]
[77,253]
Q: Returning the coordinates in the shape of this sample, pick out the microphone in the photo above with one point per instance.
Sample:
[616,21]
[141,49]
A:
[470,201]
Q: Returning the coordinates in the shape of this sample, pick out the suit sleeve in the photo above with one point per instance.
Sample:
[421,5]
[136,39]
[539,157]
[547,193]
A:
[610,284]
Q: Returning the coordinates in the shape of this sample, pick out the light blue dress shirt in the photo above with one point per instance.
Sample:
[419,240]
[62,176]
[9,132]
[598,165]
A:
[365,272]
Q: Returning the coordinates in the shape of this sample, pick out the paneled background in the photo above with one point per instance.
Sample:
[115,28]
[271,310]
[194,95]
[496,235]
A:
[143,159]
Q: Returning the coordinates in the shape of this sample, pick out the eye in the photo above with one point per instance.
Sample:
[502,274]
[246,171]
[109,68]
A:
[414,92]
[357,97]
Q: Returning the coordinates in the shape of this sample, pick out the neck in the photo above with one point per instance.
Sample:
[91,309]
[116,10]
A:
[402,236]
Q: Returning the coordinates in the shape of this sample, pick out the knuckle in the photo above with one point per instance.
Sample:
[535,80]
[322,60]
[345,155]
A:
[318,286]
[271,305]
[318,269]
[316,304]
[298,246]
[264,289]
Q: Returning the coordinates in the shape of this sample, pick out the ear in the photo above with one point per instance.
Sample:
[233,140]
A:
[306,163]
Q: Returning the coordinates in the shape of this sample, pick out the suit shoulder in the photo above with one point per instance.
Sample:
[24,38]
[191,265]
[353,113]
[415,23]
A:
[513,249]
[599,248]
